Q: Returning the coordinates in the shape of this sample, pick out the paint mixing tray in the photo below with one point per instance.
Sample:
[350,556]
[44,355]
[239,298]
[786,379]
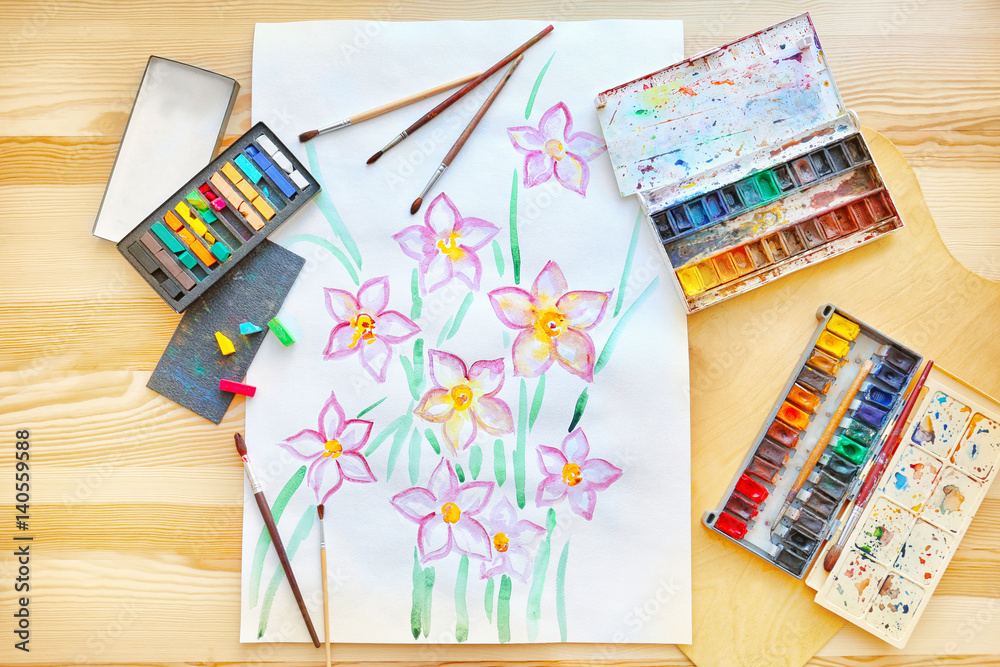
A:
[746,162]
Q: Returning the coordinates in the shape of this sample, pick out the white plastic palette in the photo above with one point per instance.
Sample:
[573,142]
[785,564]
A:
[924,503]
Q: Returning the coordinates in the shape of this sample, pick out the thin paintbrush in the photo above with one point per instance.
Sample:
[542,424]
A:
[460,93]
[272,530]
[446,162]
[386,108]
[824,439]
[881,461]
[326,592]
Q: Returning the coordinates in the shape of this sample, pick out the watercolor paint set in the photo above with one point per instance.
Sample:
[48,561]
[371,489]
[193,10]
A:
[746,162]
[815,450]
[191,240]
[785,459]
[923,505]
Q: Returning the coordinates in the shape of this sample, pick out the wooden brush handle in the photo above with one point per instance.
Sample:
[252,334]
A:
[272,530]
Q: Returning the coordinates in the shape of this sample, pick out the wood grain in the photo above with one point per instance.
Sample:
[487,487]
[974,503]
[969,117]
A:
[137,504]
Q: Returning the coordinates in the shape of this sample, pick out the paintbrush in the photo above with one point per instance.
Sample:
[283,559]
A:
[460,93]
[446,162]
[326,592]
[824,439]
[272,530]
[386,108]
[881,461]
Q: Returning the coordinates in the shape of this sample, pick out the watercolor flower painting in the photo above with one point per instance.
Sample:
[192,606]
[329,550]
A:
[570,473]
[553,149]
[333,450]
[364,326]
[514,543]
[553,322]
[448,514]
[463,400]
[446,245]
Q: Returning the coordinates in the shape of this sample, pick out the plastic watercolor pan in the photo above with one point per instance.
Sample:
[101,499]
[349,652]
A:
[791,431]
[215,219]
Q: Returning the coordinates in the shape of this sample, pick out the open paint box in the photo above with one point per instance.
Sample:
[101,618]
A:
[746,162]
[922,502]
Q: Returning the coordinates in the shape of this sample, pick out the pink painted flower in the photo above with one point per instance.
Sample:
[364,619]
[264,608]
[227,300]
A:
[446,245]
[513,543]
[553,148]
[553,322]
[364,327]
[464,400]
[333,449]
[447,513]
[568,472]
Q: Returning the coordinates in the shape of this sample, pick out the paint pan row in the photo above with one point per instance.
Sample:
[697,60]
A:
[750,512]
[207,226]
[760,189]
[739,262]
[925,501]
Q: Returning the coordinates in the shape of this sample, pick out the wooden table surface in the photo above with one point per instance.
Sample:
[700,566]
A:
[115,495]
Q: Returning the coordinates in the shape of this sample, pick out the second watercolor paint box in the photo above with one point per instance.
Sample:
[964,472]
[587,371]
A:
[191,240]
[788,501]
[746,162]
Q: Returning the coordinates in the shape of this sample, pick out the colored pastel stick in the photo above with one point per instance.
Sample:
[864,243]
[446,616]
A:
[220,250]
[195,199]
[237,201]
[280,331]
[250,171]
[194,222]
[247,328]
[237,387]
[287,188]
[225,345]
[196,247]
[168,239]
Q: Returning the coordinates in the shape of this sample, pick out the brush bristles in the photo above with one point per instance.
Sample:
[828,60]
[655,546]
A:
[374,157]
[306,136]
[319,510]
[417,203]
[832,556]
[241,446]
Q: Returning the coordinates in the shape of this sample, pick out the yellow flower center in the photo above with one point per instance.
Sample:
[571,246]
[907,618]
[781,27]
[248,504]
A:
[450,513]
[571,474]
[449,246]
[550,323]
[333,449]
[554,148]
[500,542]
[364,329]
[461,396]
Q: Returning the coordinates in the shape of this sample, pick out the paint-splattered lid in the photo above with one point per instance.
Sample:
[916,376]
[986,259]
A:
[719,110]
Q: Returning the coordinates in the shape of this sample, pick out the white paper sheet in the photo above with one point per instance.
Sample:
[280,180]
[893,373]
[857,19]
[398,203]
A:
[617,567]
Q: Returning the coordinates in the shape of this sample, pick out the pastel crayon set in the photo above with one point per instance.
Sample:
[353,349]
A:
[187,244]
[845,395]
[922,506]
[752,513]
[746,162]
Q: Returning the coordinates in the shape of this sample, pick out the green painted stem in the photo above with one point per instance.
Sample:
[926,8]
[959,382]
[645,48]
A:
[461,604]
[616,333]
[519,453]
